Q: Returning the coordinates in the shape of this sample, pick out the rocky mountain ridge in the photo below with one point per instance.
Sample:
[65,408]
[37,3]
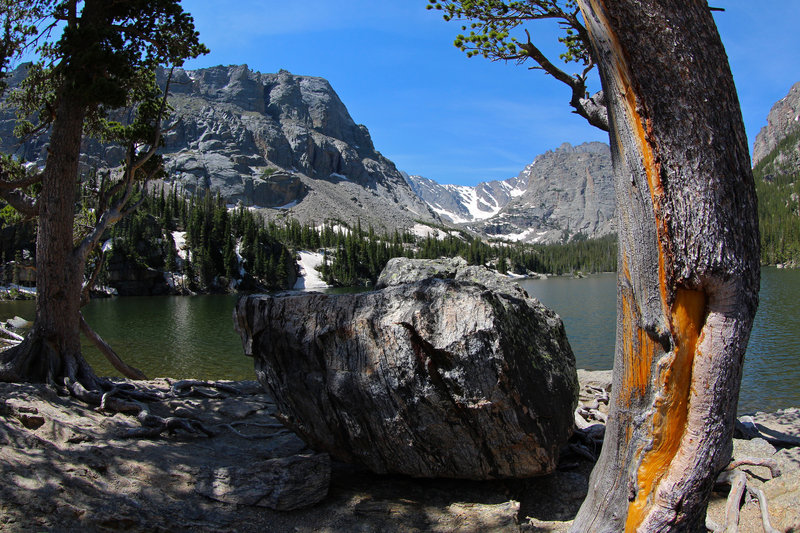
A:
[280,142]
[462,203]
[783,121]
[286,144]
[562,193]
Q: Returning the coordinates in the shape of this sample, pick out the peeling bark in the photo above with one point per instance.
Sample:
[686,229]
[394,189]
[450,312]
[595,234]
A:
[689,273]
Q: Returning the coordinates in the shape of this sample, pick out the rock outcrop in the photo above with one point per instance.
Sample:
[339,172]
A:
[569,190]
[280,142]
[783,120]
[283,484]
[430,378]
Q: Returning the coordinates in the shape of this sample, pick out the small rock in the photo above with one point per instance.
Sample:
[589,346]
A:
[282,484]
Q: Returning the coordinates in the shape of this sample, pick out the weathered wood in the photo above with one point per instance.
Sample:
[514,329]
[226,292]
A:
[688,271]
[762,506]
[109,353]
[738,485]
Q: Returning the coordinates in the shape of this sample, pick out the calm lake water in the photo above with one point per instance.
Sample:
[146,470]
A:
[772,364]
[193,336]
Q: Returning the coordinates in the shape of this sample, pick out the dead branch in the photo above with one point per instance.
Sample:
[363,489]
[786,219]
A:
[738,485]
[14,336]
[746,428]
[758,494]
[772,464]
[89,283]
[109,353]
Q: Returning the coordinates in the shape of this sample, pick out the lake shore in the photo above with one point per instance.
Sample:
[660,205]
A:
[68,467]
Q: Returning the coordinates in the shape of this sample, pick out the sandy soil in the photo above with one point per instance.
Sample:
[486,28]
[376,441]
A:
[67,467]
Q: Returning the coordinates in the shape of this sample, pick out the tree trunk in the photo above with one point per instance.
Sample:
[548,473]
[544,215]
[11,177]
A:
[688,274]
[52,349]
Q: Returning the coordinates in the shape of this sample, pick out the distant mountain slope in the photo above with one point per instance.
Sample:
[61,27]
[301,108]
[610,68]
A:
[783,122]
[275,141]
[570,191]
[776,159]
[461,203]
[565,192]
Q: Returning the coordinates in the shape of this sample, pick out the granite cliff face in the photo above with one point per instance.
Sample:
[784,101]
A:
[781,135]
[569,190]
[276,141]
[287,144]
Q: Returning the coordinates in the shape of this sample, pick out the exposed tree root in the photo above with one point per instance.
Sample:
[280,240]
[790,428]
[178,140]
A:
[740,486]
[189,387]
[126,398]
[153,426]
[747,429]
[13,336]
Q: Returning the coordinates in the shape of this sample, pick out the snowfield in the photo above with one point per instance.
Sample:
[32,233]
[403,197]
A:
[309,275]
[180,243]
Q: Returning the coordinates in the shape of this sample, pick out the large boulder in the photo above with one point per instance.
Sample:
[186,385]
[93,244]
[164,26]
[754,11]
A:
[431,378]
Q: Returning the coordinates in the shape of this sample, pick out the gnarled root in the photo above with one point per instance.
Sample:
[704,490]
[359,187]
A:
[125,398]
[740,485]
[153,426]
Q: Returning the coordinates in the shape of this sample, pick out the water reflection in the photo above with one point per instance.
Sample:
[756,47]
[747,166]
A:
[175,336]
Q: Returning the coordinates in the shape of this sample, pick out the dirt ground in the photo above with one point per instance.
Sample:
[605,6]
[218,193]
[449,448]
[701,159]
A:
[65,466]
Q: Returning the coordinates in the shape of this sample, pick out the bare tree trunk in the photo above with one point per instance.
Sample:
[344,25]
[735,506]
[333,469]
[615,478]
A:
[688,273]
[52,349]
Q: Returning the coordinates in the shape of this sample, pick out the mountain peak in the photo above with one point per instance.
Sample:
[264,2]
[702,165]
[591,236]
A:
[279,141]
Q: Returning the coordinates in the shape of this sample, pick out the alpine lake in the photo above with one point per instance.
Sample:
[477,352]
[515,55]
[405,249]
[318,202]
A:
[193,336]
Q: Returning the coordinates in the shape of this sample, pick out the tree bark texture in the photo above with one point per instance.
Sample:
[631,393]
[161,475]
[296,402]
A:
[52,349]
[688,274]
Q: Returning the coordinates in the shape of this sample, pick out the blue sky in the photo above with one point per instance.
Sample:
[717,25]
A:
[436,113]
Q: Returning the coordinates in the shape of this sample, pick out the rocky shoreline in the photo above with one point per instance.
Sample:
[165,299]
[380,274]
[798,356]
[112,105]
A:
[68,467]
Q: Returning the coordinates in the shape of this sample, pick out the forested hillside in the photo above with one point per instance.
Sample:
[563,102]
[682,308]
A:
[778,189]
[776,157]
[176,244]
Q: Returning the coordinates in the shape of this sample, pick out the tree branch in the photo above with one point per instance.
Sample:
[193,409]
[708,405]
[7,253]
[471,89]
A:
[21,202]
[27,181]
[89,283]
[12,180]
[111,215]
[592,109]
[126,370]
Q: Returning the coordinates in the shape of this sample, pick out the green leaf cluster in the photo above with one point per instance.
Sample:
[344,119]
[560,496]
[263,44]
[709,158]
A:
[496,27]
